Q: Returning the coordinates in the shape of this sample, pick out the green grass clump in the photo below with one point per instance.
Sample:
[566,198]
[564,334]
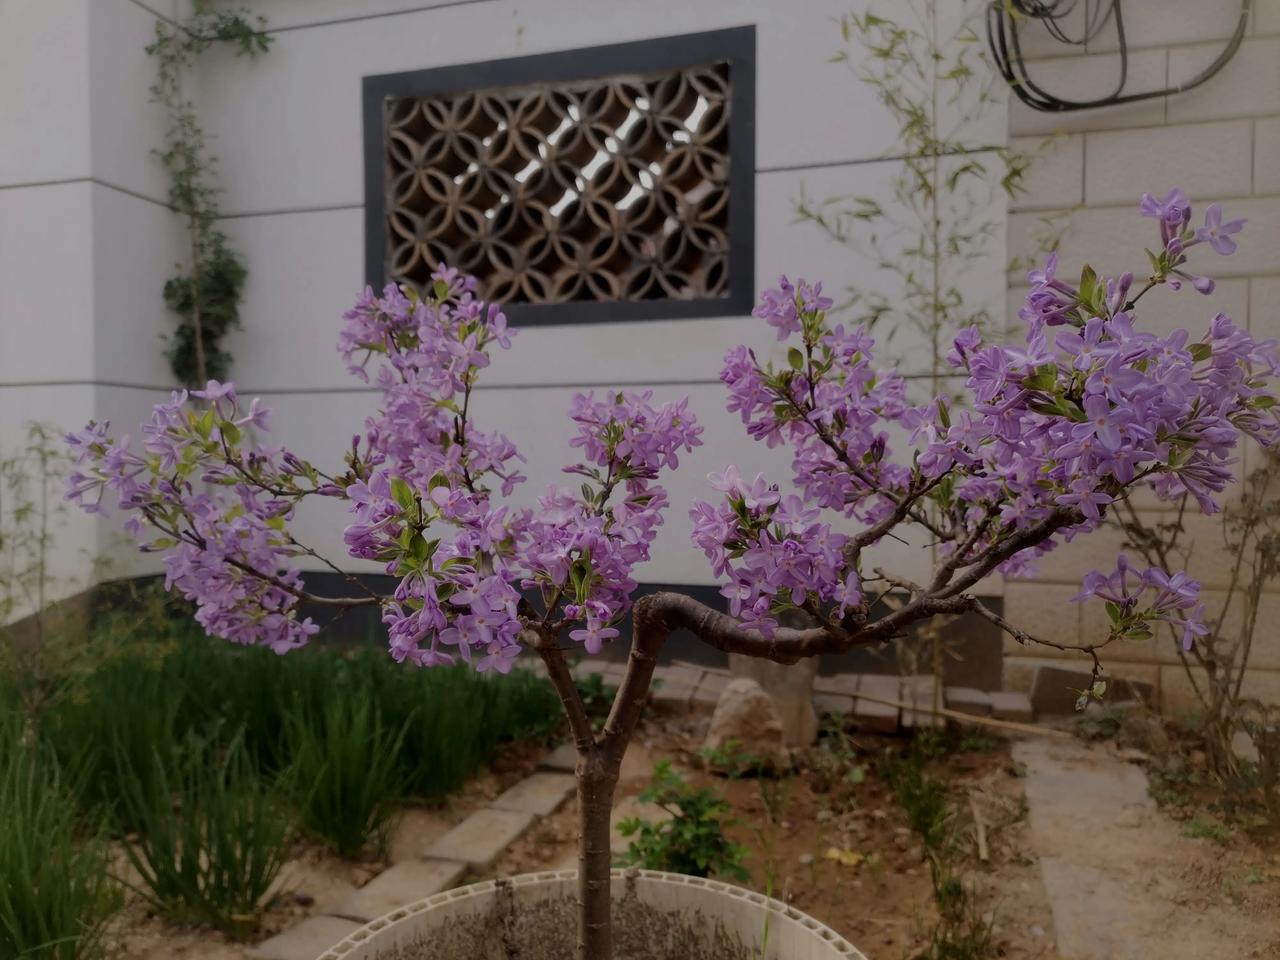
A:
[347,779]
[1203,828]
[55,892]
[211,835]
[205,754]
[109,726]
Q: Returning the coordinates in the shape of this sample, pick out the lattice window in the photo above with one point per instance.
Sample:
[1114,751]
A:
[610,190]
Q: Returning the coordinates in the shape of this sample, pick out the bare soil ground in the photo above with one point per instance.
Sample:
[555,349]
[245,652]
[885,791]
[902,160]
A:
[801,830]
[835,846]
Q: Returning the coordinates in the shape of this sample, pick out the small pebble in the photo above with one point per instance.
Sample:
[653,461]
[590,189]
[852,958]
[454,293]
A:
[806,859]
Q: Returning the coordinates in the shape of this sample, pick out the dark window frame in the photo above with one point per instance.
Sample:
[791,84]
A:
[737,45]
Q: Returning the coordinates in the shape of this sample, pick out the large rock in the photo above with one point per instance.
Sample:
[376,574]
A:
[746,723]
[790,689]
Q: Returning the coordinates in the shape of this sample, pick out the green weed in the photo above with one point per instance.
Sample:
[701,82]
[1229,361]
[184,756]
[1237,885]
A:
[693,840]
[55,893]
[211,836]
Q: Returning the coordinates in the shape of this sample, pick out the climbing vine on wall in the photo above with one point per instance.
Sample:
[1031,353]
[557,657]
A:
[206,290]
[927,66]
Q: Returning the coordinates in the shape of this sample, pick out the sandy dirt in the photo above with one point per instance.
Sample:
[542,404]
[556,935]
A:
[839,848]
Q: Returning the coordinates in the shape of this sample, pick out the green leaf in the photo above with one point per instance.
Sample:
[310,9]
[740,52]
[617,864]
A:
[795,358]
[230,432]
[1088,284]
[402,494]
[1200,351]
[580,577]
[204,426]
[441,290]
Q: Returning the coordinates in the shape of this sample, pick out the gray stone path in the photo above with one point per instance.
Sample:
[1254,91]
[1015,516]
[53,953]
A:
[478,840]
[398,886]
[1114,867]
[474,844]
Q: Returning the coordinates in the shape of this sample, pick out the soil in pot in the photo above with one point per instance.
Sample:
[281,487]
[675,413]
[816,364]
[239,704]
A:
[655,917]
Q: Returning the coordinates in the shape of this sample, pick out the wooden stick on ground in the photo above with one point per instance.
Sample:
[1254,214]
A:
[979,829]
[968,717]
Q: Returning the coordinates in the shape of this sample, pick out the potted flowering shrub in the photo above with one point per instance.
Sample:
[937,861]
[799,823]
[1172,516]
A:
[1087,409]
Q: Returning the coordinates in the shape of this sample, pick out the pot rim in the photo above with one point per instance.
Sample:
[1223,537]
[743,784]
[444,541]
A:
[488,887]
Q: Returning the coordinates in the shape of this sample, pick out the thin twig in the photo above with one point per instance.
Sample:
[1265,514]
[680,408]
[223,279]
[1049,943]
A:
[979,829]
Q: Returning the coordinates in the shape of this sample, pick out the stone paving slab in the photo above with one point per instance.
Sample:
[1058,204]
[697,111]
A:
[833,703]
[919,690]
[539,793]
[306,941]
[400,885]
[637,763]
[921,720]
[842,683]
[880,685]
[1011,706]
[968,700]
[673,694]
[563,758]
[681,674]
[704,698]
[877,717]
[712,680]
[478,840]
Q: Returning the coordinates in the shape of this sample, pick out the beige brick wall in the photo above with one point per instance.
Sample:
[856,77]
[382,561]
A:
[1220,143]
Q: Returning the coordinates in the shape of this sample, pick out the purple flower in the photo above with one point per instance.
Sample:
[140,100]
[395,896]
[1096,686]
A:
[1218,234]
[1103,421]
[593,635]
[1173,209]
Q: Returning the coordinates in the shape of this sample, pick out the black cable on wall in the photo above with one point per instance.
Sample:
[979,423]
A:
[1003,26]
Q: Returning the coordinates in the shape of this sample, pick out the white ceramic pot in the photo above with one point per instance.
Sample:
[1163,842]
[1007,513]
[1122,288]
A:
[657,916]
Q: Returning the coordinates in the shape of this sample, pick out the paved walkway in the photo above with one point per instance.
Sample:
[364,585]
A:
[1114,867]
[473,845]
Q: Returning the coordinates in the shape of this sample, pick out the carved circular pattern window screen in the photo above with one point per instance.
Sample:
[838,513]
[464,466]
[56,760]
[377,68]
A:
[613,189]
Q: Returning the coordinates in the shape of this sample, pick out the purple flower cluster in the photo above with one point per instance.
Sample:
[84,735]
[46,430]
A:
[1053,432]
[583,548]
[418,489]
[1135,598]
[218,515]
[1057,428]
[773,550]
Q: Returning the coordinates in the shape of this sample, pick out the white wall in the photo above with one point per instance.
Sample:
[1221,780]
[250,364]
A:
[86,239]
